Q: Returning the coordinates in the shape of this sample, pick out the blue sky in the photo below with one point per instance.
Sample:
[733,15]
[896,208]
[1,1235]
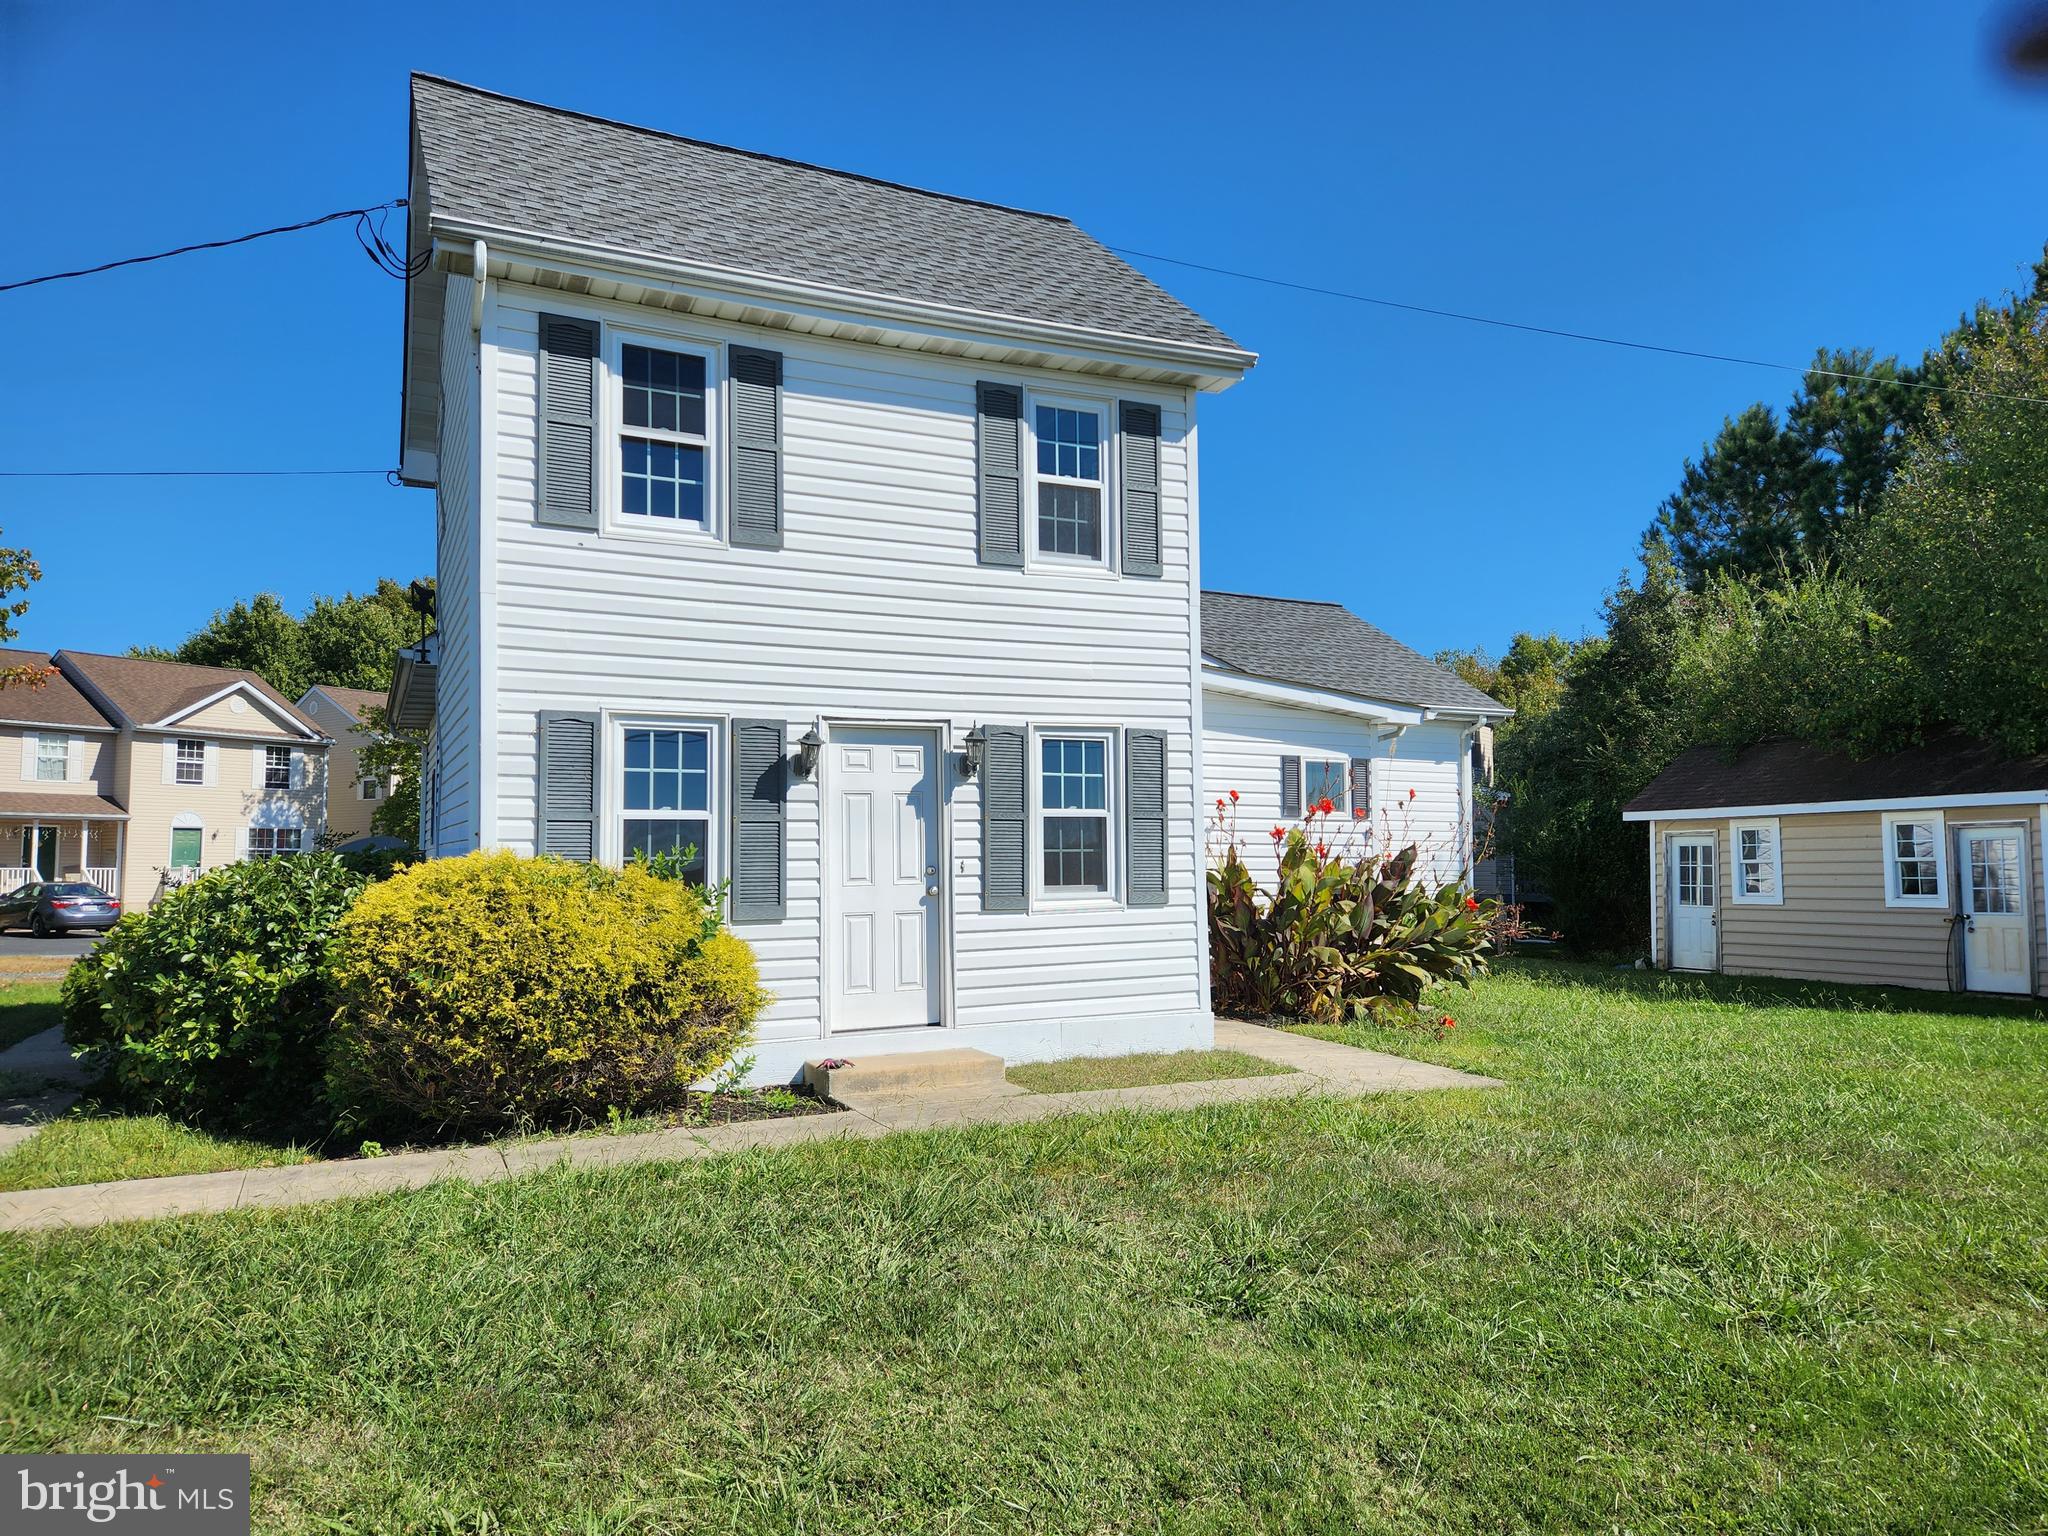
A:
[1760,179]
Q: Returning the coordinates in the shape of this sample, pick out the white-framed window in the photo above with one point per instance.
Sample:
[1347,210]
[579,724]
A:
[664,412]
[191,761]
[1915,859]
[53,758]
[1070,459]
[1073,793]
[269,842]
[666,793]
[1757,878]
[369,789]
[277,767]
[1324,778]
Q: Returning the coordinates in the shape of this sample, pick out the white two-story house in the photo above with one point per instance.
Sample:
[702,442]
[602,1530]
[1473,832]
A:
[841,532]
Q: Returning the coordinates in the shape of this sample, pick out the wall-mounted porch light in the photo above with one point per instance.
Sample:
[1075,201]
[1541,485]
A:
[970,759]
[808,746]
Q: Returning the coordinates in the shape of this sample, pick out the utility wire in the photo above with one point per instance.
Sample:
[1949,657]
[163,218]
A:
[173,474]
[369,232]
[1605,341]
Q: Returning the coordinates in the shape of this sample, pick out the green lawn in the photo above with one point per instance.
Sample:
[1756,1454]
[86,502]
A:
[1718,1258]
[1085,1073]
[93,1149]
[28,1008]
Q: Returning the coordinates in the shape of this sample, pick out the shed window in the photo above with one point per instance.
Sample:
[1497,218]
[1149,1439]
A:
[1915,860]
[1757,878]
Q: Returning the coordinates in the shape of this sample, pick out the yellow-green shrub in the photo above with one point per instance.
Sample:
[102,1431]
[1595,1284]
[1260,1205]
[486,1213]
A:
[480,991]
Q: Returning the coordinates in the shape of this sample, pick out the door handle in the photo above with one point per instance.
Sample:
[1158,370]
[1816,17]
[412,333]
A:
[931,890]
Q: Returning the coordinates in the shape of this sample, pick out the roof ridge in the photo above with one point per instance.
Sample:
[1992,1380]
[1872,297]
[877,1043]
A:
[735,149]
[1263,597]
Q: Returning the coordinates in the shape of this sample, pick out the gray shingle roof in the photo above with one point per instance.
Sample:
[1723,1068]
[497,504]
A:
[1324,645]
[541,169]
[1785,771]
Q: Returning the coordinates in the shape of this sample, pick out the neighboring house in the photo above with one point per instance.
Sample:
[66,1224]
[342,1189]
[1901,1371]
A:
[1920,868]
[138,774]
[841,532]
[352,796]
[1303,701]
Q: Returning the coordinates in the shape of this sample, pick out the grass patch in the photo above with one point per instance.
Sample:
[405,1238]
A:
[1085,1073]
[1721,1256]
[95,1149]
[28,1008]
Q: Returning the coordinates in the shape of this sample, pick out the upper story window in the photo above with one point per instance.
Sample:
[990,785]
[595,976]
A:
[1070,482]
[1073,805]
[53,758]
[1915,861]
[1324,779]
[369,789]
[191,761]
[667,796]
[664,436]
[277,767]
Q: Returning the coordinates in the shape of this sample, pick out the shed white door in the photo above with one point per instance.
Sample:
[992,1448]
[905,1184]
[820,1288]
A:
[1692,904]
[1994,861]
[881,834]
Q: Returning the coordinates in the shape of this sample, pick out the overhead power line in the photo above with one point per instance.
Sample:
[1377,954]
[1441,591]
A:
[369,232]
[177,474]
[1549,330]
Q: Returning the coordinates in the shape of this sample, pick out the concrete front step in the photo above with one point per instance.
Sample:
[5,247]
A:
[902,1072]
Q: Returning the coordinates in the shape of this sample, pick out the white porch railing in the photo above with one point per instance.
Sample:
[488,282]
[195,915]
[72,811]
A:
[107,878]
[13,876]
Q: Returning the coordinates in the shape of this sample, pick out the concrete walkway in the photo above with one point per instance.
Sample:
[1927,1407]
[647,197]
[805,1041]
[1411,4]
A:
[1319,1068]
[39,1079]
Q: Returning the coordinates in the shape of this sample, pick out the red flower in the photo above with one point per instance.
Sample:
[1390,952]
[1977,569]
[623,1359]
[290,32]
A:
[1358,813]
[1278,833]
[1233,797]
[1471,903]
[1411,794]
[1219,805]
[1325,805]
[1322,851]
[1449,1022]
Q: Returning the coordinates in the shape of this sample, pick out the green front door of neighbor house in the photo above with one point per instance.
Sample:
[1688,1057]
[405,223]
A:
[185,847]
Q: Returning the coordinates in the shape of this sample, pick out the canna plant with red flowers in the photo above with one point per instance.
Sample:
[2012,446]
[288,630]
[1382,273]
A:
[1345,933]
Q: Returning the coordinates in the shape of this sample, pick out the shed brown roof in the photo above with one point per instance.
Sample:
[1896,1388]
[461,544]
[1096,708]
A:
[54,701]
[148,691]
[1785,771]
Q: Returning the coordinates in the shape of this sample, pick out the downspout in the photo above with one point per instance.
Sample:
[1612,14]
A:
[480,260]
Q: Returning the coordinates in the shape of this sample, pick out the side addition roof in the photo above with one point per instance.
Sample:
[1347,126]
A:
[351,701]
[1787,772]
[1326,646]
[54,701]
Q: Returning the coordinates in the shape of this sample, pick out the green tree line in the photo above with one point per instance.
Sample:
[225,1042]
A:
[1866,571]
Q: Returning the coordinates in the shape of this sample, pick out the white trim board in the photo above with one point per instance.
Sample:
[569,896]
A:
[1821,807]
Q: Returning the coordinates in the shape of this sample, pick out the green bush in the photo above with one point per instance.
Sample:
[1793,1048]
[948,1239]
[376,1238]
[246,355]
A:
[1341,937]
[490,990]
[212,1004]
[375,864]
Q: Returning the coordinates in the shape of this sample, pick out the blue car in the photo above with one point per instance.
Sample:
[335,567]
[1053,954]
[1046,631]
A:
[47,908]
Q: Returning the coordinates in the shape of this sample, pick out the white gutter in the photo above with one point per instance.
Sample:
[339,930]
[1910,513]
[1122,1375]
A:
[593,259]
[1311,698]
[1822,807]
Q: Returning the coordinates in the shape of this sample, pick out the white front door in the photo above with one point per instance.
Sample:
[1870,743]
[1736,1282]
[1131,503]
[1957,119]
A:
[1692,904]
[1994,864]
[881,833]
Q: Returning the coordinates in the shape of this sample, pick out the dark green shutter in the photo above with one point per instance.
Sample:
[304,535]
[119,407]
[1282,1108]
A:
[1145,818]
[568,753]
[1003,799]
[756,447]
[760,844]
[1138,469]
[1290,788]
[1361,785]
[999,461]
[568,422]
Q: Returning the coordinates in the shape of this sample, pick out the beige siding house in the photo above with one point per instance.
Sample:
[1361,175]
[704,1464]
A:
[1922,868]
[352,799]
[139,774]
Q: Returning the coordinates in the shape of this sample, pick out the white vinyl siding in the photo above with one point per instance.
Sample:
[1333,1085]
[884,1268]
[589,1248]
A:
[876,609]
[1243,741]
[458,714]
